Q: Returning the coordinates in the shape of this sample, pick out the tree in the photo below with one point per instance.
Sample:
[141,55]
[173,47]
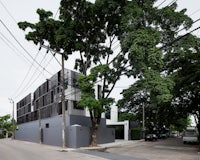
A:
[6,124]
[90,29]
[148,33]
[180,124]
[184,68]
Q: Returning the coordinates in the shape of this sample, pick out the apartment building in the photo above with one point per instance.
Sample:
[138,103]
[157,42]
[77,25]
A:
[44,106]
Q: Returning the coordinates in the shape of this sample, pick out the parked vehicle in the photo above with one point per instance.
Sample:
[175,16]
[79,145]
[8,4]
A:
[190,136]
[151,137]
[163,134]
[174,134]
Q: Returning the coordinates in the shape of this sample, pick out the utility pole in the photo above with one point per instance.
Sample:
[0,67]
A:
[62,95]
[143,120]
[13,120]
[40,126]
[63,103]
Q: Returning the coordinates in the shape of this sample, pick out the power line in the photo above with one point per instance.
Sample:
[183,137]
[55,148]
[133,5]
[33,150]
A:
[186,26]
[178,38]
[29,70]
[52,52]
[8,12]
[12,47]
[37,67]
[32,63]
[161,3]
[29,83]
[171,2]
[34,59]
[22,46]
[195,12]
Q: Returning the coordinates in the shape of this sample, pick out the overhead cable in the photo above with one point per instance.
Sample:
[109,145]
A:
[23,47]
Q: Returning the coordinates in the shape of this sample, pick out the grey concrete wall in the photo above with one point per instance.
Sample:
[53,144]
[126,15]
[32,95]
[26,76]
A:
[53,134]
[77,132]
[78,136]
[28,132]
[84,121]
[105,135]
[81,120]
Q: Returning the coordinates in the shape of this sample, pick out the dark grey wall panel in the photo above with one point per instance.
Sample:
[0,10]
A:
[105,135]
[28,132]
[81,120]
[78,135]
[52,131]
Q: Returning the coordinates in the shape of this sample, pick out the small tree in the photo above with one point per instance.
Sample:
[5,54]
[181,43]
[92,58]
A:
[6,124]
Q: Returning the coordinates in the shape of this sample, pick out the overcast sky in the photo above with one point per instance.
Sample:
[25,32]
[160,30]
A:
[17,78]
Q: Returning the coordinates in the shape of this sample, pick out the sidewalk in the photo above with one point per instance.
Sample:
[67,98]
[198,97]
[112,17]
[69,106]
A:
[101,147]
[117,143]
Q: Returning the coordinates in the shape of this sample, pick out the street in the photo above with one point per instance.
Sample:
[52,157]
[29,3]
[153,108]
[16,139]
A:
[163,149]
[20,150]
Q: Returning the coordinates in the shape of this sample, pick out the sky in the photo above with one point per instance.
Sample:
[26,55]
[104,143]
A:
[17,77]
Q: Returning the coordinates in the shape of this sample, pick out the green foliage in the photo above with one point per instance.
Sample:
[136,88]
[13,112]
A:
[167,70]
[180,124]
[88,99]
[135,133]
[127,116]
[144,28]
[183,67]
[84,27]
[1,136]
[6,123]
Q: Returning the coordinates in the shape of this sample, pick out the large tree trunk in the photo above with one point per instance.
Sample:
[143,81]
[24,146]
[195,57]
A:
[94,136]
[95,125]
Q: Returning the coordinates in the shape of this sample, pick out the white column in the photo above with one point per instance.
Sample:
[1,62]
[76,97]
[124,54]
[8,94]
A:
[126,130]
[114,114]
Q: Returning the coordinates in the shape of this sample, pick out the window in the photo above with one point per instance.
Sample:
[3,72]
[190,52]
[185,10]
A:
[75,105]
[48,111]
[107,114]
[47,125]
[66,83]
[52,98]
[37,104]
[75,83]
[29,107]
[58,89]
[47,86]
[59,107]
[59,77]
[99,92]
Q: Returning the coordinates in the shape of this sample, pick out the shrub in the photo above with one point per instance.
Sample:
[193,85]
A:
[1,136]
[135,133]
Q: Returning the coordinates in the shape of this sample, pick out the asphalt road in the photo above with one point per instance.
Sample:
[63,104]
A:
[167,149]
[20,150]
[163,149]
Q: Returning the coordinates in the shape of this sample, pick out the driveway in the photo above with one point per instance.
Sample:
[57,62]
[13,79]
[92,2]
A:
[163,149]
